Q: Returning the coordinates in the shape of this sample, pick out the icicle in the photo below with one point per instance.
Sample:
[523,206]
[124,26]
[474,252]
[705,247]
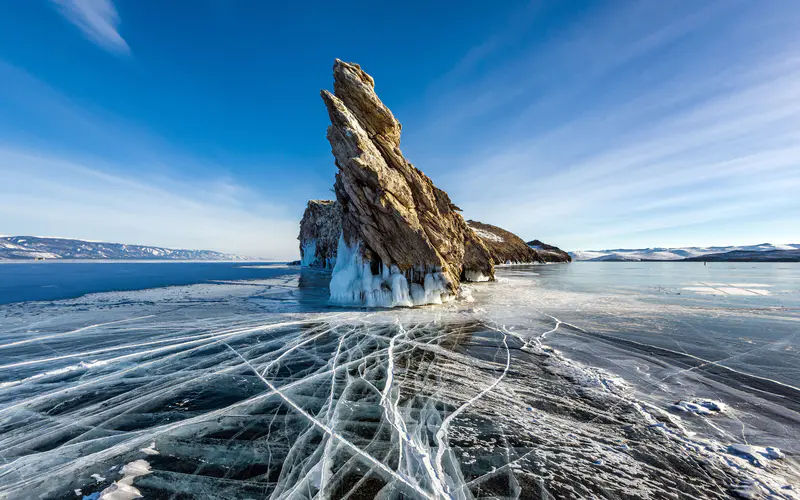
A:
[353,283]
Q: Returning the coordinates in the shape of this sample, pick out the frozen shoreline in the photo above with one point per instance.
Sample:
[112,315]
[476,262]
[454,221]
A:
[473,346]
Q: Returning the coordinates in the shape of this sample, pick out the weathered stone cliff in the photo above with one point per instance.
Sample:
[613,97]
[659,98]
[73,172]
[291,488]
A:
[504,246]
[403,241]
[319,233]
[549,253]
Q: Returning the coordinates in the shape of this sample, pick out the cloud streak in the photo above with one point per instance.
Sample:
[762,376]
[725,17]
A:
[640,128]
[110,180]
[50,195]
[98,20]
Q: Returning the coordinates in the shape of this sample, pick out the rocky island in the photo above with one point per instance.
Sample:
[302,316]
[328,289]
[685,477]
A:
[319,234]
[403,241]
[549,253]
[508,248]
[391,236]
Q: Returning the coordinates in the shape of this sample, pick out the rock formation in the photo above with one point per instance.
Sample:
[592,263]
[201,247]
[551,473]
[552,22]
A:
[549,253]
[319,234]
[504,246]
[403,241]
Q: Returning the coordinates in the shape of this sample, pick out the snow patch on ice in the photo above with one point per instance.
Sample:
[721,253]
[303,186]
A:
[701,407]
[755,454]
[150,450]
[124,489]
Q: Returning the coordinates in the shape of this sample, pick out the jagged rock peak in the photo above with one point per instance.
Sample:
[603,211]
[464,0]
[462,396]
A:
[394,220]
[356,89]
[319,233]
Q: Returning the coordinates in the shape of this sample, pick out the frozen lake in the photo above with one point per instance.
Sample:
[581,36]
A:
[227,380]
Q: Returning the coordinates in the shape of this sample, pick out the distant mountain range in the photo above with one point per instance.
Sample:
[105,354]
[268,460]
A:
[764,252]
[33,247]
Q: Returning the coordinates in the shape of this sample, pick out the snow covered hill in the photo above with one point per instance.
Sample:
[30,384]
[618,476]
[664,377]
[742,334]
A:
[659,254]
[33,247]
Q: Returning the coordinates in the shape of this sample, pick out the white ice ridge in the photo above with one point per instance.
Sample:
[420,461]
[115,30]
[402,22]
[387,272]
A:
[353,283]
[175,342]
[416,455]
[71,332]
[369,458]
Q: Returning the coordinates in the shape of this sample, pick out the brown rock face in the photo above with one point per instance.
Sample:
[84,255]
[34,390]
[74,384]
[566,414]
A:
[319,233]
[549,253]
[391,211]
[504,246]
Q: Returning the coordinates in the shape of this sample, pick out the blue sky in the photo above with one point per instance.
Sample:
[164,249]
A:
[584,124]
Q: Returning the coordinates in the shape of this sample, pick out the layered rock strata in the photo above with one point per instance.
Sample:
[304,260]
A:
[504,246]
[403,241]
[319,234]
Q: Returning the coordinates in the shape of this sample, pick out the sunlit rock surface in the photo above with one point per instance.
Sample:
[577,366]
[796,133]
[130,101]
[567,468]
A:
[319,234]
[549,253]
[403,240]
[504,246]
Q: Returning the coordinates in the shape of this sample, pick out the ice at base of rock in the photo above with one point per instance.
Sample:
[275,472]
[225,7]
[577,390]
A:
[475,276]
[310,258]
[353,283]
[309,253]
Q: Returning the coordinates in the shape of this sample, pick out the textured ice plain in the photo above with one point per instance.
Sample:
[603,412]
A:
[257,390]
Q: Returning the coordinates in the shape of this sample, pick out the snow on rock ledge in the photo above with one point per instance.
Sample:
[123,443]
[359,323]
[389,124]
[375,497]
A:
[403,241]
[319,234]
[504,246]
[549,253]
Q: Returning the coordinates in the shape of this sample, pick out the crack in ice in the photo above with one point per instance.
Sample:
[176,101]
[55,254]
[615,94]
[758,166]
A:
[333,433]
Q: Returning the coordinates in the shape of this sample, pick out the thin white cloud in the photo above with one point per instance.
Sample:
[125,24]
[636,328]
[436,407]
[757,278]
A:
[99,21]
[102,178]
[50,195]
[609,137]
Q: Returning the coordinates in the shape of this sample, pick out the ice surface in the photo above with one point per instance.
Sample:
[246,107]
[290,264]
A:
[260,390]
